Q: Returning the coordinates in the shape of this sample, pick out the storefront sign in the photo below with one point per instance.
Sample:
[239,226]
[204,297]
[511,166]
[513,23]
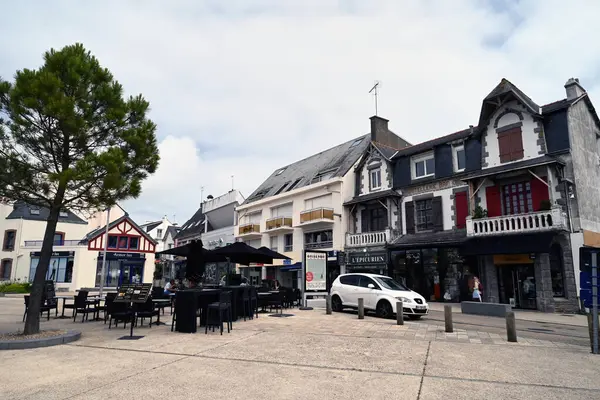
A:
[431,187]
[54,254]
[367,258]
[315,264]
[113,255]
[505,259]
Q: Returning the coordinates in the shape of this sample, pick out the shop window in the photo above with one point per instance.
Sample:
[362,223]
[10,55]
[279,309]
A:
[510,143]
[112,241]
[5,269]
[60,269]
[288,242]
[375,179]
[59,238]
[517,198]
[134,243]
[557,271]
[424,214]
[9,240]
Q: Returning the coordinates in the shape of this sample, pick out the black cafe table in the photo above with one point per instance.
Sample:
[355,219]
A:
[187,304]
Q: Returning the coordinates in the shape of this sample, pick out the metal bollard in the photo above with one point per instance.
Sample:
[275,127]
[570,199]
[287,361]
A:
[328,304]
[511,327]
[361,308]
[448,319]
[399,313]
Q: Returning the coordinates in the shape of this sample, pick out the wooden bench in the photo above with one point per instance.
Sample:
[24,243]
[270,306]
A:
[489,309]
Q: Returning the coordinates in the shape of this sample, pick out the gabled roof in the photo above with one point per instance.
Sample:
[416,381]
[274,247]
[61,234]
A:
[504,91]
[150,225]
[386,151]
[21,210]
[331,163]
[194,225]
[555,106]
[102,230]
[430,144]
[173,230]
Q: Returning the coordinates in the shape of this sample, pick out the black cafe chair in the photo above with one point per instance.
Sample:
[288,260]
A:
[43,308]
[220,311]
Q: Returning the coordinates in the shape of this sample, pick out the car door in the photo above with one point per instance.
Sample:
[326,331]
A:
[349,290]
[369,295]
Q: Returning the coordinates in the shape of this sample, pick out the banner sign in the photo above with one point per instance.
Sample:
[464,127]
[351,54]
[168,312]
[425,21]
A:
[316,270]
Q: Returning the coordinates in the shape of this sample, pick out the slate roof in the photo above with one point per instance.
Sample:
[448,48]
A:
[555,106]
[335,161]
[194,225]
[23,210]
[151,225]
[386,151]
[430,239]
[430,144]
[173,230]
[372,196]
[505,86]
[533,162]
[102,230]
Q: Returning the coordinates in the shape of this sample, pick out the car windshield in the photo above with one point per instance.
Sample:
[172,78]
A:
[391,284]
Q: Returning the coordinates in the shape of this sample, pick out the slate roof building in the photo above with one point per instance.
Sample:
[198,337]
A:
[301,207]
[511,200]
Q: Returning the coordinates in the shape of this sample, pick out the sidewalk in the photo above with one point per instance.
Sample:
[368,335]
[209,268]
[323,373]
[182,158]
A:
[523,315]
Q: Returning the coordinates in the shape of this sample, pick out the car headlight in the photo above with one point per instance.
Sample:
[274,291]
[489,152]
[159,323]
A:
[404,299]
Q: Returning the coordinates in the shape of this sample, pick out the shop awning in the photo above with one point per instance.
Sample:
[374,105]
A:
[294,267]
[509,244]
[430,240]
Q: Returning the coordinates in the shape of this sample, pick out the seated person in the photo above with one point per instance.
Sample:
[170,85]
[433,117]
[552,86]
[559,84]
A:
[170,287]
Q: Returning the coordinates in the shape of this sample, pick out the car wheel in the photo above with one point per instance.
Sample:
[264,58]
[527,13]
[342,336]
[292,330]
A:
[384,309]
[415,317]
[336,304]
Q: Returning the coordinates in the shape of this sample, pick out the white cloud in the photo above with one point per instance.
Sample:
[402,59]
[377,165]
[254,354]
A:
[243,87]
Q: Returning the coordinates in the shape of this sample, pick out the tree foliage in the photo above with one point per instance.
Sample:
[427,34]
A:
[69,139]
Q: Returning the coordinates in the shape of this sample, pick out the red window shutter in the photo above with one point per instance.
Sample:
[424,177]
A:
[504,146]
[494,206]
[461,206]
[539,192]
[516,144]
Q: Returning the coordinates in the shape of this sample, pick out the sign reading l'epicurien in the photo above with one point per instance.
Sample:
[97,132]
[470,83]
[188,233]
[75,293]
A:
[367,258]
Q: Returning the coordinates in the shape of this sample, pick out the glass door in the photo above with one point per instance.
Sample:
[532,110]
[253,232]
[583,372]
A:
[525,277]
[125,275]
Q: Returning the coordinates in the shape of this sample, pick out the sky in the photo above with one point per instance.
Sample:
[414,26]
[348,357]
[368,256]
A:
[243,87]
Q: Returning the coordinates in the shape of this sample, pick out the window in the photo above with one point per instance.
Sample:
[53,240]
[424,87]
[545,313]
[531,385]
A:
[351,280]
[294,184]
[112,241]
[134,243]
[34,211]
[288,242]
[9,240]
[510,144]
[5,269]
[378,219]
[123,242]
[281,188]
[424,214]
[356,142]
[391,284]
[364,281]
[459,158]
[517,198]
[159,233]
[63,214]
[556,271]
[60,269]
[375,179]
[274,240]
[59,238]
[423,166]
[318,240]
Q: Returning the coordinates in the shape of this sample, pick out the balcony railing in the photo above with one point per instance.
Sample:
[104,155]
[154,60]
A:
[249,228]
[279,222]
[368,238]
[316,214]
[319,245]
[553,219]
[38,243]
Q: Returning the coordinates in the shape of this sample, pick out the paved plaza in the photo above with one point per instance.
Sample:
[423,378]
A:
[309,355]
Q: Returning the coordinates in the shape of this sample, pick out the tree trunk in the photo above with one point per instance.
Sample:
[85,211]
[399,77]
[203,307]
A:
[32,323]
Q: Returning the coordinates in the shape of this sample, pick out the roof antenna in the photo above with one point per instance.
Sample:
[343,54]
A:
[201,194]
[374,91]
[232,185]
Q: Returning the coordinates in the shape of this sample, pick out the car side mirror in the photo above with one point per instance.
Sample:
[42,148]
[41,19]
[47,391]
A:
[371,286]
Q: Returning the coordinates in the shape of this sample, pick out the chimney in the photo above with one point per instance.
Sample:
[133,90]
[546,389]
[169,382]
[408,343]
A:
[574,89]
[379,128]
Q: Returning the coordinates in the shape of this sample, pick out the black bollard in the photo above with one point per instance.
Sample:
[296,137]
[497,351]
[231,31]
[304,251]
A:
[361,308]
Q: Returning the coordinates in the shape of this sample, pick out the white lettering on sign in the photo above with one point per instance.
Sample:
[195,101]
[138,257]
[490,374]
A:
[316,256]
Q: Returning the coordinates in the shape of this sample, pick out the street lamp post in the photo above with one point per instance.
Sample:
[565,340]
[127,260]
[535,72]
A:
[103,270]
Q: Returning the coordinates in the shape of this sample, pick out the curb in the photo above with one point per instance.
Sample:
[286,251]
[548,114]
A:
[68,337]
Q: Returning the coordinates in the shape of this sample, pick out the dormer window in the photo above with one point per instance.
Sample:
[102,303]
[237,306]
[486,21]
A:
[279,172]
[34,211]
[375,179]
[356,142]
[423,166]
[63,214]
[459,158]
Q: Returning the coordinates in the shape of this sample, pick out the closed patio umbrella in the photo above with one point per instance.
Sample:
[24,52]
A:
[241,253]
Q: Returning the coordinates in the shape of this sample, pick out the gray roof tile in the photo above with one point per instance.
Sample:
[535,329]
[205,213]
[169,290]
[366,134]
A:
[23,210]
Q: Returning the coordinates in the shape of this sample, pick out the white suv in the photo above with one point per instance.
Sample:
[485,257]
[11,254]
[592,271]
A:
[380,293]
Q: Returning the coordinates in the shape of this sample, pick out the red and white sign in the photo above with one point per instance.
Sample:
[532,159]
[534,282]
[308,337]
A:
[309,277]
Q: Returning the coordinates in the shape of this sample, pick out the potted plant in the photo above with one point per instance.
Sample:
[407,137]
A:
[545,205]
[479,213]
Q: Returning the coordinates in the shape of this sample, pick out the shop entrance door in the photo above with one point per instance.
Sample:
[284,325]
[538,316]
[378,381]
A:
[131,273]
[517,285]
